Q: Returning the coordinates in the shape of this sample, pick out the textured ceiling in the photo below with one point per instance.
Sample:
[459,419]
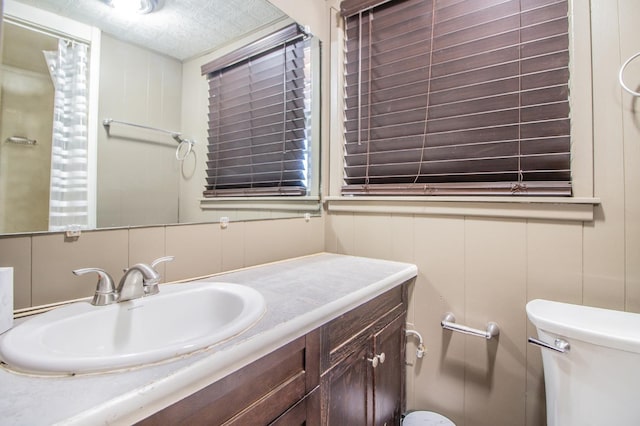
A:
[181,28]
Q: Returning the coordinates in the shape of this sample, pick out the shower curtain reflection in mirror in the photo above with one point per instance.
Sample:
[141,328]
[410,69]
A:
[68,193]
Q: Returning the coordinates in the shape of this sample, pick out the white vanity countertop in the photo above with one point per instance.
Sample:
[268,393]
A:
[301,294]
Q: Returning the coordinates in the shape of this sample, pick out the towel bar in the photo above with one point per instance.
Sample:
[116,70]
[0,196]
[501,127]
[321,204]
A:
[449,323]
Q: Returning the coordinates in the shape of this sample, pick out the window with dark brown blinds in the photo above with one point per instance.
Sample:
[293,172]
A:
[457,97]
[259,118]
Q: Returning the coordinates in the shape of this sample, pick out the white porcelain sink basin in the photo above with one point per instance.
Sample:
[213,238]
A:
[82,338]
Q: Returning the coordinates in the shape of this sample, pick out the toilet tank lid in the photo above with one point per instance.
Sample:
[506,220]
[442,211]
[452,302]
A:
[604,327]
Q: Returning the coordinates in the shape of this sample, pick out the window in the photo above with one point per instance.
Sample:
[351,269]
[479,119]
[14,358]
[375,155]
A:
[457,98]
[259,140]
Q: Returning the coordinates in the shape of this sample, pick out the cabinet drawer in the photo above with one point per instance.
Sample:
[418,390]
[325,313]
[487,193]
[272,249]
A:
[256,394]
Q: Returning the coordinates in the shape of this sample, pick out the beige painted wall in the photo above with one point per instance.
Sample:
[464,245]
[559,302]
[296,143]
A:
[27,111]
[138,175]
[486,269]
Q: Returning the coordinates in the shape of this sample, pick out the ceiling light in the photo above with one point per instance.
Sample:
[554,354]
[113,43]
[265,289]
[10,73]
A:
[133,6]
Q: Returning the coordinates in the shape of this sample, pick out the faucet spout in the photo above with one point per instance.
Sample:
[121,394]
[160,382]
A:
[135,279]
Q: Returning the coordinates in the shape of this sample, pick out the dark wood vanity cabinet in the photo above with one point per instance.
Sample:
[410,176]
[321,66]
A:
[324,378]
[278,388]
[362,363]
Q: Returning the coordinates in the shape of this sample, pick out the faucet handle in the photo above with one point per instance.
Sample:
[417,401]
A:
[160,260]
[105,288]
[151,288]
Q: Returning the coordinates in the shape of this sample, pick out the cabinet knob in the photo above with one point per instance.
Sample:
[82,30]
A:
[377,359]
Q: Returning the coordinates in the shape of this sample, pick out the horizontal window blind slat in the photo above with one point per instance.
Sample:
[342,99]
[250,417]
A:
[412,77]
[534,4]
[544,95]
[258,108]
[408,103]
[545,62]
[264,192]
[484,104]
[448,10]
[484,14]
[484,75]
[545,13]
[258,158]
[544,30]
[417,48]
[267,179]
[219,145]
[295,108]
[349,8]
[471,47]
[477,61]
[551,78]
[248,149]
[385,45]
[487,188]
[291,128]
[488,29]
[224,126]
[256,168]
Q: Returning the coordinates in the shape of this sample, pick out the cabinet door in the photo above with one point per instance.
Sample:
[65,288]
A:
[388,377]
[349,391]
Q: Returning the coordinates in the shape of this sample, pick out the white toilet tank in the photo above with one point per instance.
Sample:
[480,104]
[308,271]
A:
[597,380]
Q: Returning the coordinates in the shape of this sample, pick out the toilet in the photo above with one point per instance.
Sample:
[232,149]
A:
[426,418]
[591,360]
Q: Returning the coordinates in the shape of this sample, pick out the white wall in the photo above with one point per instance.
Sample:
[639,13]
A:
[138,175]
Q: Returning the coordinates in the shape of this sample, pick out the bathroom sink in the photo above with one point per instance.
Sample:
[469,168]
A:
[82,338]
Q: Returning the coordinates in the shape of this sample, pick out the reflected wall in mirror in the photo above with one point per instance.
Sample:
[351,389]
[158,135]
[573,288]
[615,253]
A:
[145,70]
[26,121]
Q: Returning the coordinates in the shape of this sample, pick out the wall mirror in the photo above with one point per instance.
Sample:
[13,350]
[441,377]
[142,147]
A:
[68,63]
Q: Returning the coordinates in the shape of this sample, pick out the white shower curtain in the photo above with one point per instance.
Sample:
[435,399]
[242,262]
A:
[68,200]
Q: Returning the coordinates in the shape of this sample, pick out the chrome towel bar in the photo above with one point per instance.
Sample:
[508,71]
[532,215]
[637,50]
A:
[449,323]
[181,153]
[107,122]
[21,140]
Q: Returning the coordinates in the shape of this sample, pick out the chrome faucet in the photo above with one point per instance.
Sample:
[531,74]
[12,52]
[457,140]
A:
[133,282]
[138,281]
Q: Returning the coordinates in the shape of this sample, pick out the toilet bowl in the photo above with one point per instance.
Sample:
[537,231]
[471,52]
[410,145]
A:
[426,418]
[590,358]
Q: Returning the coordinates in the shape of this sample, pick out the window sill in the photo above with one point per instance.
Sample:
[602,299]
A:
[288,204]
[545,208]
